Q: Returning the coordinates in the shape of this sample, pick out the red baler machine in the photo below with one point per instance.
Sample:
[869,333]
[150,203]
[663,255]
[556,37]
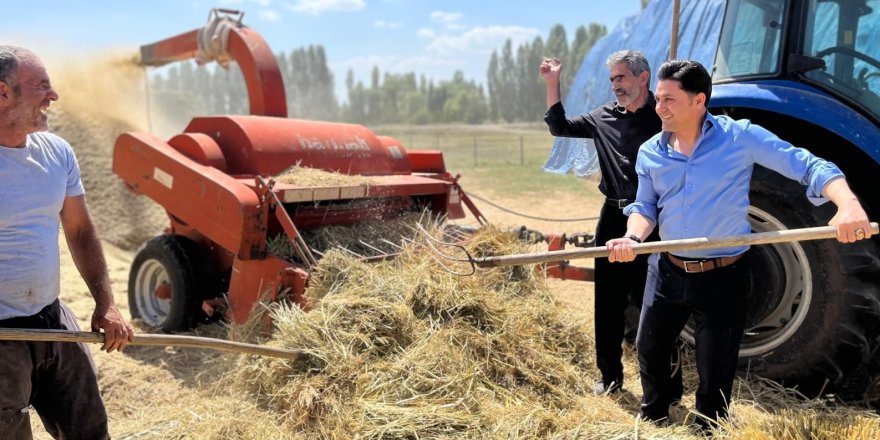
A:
[214,182]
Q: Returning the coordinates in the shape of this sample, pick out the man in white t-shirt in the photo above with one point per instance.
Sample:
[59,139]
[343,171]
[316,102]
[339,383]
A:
[40,189]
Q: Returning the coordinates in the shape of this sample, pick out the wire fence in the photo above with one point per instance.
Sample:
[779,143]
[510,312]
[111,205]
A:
[486,148]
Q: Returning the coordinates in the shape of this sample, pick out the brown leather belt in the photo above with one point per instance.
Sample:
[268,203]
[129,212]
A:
[696,266]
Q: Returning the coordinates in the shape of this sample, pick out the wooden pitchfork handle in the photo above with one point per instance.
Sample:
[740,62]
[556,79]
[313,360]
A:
[25,334]
[783,236]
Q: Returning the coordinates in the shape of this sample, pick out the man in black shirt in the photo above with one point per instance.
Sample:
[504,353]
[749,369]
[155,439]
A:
[617,129]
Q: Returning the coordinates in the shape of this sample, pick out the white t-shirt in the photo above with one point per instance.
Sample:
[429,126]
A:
[34,180]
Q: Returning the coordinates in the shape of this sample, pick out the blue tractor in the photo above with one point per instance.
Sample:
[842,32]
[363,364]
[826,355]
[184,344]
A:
[808,70]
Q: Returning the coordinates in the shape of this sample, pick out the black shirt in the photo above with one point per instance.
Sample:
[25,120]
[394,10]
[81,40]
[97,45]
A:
[617,134]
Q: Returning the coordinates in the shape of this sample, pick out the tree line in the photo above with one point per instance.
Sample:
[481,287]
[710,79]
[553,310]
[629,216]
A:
[514,91]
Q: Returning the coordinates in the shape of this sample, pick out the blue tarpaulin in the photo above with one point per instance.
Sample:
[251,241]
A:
[648,32]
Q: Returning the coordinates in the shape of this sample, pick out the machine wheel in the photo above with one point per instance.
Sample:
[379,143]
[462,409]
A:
[162,283]
[813,306]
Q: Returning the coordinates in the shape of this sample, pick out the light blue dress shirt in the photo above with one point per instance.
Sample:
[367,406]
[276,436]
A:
[707,194]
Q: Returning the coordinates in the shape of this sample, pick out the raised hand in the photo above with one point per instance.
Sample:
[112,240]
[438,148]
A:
[550,69]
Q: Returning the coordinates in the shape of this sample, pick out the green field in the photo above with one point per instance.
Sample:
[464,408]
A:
[508,159]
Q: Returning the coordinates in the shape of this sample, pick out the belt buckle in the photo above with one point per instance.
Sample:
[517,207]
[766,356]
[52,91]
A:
[622,203]
[687,268]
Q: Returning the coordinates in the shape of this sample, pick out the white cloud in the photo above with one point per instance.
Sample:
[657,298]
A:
[426,33]
[316,7]
[445,18]
[481,39]
[382,24]
[269,15]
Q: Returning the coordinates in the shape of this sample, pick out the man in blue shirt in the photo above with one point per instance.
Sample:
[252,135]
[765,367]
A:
[694,182]
[617,129]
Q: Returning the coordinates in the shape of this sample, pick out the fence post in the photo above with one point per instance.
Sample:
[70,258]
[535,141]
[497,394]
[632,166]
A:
[522,156]
[475,150]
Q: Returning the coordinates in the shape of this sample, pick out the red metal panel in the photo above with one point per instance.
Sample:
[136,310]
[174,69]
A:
[427,161]
[204,198]
[258,66]
[256,145]
[252,280]
[200,148]
[566,272]
[178,48]
[562,269]
[261,73]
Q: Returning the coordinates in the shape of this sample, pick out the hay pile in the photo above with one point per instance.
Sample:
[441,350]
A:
[403,349]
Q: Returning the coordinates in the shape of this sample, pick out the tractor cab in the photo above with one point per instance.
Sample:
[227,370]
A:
[832,45]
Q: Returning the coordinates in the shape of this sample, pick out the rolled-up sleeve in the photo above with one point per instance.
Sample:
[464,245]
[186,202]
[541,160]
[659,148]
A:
[646,196]
[798,164]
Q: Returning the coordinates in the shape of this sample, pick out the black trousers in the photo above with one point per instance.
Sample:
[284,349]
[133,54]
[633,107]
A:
[617,285]
[717,301]
[57,378]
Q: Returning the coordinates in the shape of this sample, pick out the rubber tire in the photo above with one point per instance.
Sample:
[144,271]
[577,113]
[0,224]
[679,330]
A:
[174,259]
[837,334]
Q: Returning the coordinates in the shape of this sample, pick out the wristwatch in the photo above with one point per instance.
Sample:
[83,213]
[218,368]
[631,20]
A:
[634,238]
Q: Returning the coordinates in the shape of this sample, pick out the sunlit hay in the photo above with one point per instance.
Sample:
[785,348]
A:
[257,328]
[404,349]
[337,272]
[307,177]
[180,393]
[215,420]
[437,297]
[430,390]
[565,332]
[109,86]
[766,410]
[512,281]
[369,238]
[280,246]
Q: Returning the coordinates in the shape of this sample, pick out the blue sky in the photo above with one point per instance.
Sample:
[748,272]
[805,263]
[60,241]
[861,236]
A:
[431,37]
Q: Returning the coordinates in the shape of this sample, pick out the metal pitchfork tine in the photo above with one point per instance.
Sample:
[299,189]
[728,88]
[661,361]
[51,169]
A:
[431,240]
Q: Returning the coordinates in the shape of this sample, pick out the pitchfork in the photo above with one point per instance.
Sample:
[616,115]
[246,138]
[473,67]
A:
[783,236]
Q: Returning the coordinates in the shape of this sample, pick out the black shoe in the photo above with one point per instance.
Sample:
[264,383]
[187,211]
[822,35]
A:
[601,388]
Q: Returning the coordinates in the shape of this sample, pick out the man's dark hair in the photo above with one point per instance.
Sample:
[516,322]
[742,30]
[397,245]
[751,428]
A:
[9,61]
[692,76]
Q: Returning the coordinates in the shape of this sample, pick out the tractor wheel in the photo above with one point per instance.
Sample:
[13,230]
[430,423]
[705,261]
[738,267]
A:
[162,284]
[812,305]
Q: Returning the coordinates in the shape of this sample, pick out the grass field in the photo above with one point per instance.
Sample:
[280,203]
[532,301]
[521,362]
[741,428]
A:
[509,159]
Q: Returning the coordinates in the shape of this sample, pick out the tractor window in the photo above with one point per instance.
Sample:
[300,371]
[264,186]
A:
[846,35]
[750,39]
